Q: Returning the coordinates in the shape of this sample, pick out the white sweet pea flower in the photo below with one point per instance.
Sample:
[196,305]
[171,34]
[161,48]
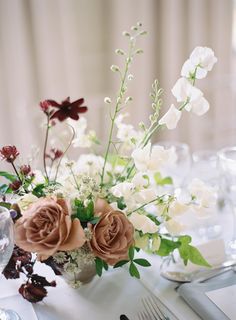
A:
[126,132]
[183,90]
[205,195]
[171,118]
[156,242]
[152,159]
[141,242]
[123,189]
[177,208]
[143,223]
[189,68]
[141,157]
[200,106]
[82,139]
[145,195]
[38,177]
[204,57]
[174,227]
[91,165]
[140,180]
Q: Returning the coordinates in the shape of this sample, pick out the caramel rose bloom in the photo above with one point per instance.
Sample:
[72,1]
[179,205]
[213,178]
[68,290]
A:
[46,227]
[112,235]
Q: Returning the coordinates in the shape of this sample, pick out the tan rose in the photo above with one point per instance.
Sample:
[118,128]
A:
[46,227]
[112,235]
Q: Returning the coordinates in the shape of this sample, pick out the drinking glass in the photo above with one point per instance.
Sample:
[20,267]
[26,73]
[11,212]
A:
[205,169]
[227,166]
[180,169]
[6,248]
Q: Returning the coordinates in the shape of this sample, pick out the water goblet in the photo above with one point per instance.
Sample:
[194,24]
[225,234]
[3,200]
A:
[205,168]
[227,166]
[6,248]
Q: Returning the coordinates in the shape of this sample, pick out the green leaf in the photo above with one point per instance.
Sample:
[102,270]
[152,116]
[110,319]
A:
[94,220]
[190,253]
[99,266]
[120,263]
[84,214]
[167,246]
[105,265]
[142,262]
[38,191]
[5,189]
[162,181]
[134,271]
[8,176]
[131,253]
[196,257]
[5,205]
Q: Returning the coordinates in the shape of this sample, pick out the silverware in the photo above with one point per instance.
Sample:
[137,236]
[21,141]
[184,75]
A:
[203,275]
[151,310]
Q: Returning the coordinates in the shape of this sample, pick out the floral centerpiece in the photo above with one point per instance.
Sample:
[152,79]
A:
[96,212]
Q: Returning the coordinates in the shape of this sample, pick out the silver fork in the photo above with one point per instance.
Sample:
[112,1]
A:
[152,310]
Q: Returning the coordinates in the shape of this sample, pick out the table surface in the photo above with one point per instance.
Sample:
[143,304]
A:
[104,298]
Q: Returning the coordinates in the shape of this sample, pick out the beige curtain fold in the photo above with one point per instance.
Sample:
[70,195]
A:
[59,48]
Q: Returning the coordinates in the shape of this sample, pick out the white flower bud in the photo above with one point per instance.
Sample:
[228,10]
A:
[143,33]
[134,28]
[107,100]
[119,51]
[114,68]
[139,51]
[128,99]
[139,24]
[126,34]
[130,77]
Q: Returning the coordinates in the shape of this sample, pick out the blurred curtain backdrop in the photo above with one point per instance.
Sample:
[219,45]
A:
[59,48]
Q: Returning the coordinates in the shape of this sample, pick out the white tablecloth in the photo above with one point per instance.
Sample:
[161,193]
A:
[105,298]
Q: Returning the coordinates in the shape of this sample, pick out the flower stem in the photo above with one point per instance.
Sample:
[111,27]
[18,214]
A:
[117,107]
[18,176]
[59,163]
[45,149]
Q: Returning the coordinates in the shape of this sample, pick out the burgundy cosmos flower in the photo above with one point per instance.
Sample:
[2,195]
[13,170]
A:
[66,109]
[9,153]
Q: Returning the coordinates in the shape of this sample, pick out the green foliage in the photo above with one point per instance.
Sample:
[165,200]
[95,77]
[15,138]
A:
[8,176]
[38,191]
[162,181]
[5,205]
[100,265]
[142,262]
[120,263]
[133,270]
[4,189]
[190,253]
[167,246]
[85,213]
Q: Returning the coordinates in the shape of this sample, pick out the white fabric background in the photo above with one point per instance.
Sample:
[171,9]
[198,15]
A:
[59,48]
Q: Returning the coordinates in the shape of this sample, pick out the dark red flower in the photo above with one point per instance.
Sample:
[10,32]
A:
[54,154]
[9,153]
[15,185]
[68,109]
[25,169]
[32,293]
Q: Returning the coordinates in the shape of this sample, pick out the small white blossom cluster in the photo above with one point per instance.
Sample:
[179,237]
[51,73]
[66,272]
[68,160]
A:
[126,134]
[82,139]
[73,262]
[80,186]
[201,60]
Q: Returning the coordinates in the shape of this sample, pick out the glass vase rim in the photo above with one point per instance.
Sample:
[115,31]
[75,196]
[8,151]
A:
[222,153]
